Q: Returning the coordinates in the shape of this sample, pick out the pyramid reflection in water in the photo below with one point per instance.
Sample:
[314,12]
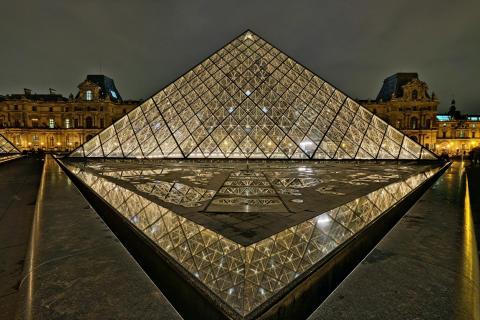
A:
[250,100]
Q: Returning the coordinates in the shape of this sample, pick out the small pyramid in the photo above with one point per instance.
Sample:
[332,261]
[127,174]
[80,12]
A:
[6,147]
[250,100]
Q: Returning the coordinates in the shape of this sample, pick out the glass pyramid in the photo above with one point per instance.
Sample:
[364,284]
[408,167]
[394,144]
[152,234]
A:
[6,147]
[250,100]
[245,277]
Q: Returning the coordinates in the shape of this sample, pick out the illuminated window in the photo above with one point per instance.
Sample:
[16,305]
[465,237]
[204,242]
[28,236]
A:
[413,123]
[51,123]
[88,95]
[443,118]
[67,123]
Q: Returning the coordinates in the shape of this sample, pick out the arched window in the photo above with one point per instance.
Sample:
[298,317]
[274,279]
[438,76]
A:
[88,122]
[413,123]
[88,95]
[428,124]
[414,138]
[89,137]
[414,95]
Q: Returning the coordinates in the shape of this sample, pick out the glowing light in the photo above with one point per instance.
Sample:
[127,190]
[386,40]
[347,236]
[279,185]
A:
[305,144]
[323,220]
[248,36]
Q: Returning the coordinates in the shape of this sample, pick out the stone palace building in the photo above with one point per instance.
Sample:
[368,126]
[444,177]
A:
[52,122]
[405,102]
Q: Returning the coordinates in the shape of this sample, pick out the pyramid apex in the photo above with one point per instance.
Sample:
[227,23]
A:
[248,35]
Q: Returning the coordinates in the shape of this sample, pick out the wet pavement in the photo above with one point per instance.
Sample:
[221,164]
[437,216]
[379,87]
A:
[473,174]
[19,180]
[76,268]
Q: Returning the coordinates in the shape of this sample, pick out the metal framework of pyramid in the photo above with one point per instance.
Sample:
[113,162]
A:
[6,147]
[250,100]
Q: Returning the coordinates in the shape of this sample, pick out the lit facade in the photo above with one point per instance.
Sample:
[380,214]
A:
[457,134]
[405,103]
[54,123]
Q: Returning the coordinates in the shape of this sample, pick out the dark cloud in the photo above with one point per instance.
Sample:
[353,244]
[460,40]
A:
[146,44]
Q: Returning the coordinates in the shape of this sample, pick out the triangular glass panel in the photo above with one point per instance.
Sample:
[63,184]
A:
[6,147]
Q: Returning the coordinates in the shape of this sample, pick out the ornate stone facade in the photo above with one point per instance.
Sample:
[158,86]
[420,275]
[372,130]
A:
[405,103]
[54,123]
[457,133]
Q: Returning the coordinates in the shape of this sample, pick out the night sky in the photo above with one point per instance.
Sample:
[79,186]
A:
[144,45]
